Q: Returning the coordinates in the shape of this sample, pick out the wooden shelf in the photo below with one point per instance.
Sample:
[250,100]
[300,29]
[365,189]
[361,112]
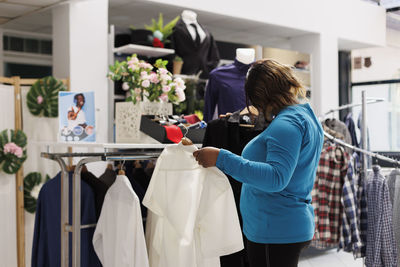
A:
[143,50]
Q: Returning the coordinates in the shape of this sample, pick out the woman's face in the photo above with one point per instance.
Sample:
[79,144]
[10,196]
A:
[80,101]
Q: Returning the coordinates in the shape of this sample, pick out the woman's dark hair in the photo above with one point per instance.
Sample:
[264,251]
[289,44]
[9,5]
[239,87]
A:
[76,98]
[271,84]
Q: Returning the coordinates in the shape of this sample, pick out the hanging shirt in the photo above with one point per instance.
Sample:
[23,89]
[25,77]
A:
[99,189]
[394,189]
[225,89]
[327,194]
[350,240]
[46,249]
[351,126]
[192,217]
[381,245]
[277,169]
[119,236]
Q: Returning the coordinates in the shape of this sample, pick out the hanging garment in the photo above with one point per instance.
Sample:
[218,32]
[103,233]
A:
[362,209]
[108,177]
[226,133]
[99,189]
[225,88]
[393,181]
[339,127]
[381,245]
[46,249]
[203,57]
[192,218]
[350,240]
[119,236]
[351,126]
[327,194]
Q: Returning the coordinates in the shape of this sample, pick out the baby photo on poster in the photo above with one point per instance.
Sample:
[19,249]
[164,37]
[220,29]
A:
[76,117]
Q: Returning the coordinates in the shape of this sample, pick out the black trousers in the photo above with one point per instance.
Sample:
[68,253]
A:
[274,255]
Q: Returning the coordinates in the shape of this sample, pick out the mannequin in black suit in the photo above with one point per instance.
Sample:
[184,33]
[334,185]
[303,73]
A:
[195,45]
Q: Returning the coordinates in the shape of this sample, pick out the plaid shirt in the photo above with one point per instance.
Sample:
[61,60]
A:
[350,240]
[381,245]
[326,196]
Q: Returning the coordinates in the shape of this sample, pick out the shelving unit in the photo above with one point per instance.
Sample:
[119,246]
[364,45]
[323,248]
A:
[143,50]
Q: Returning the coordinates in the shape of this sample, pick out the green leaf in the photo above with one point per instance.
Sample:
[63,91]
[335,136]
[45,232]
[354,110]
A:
[160,22]
[30,181]
[168,29]
[10,162]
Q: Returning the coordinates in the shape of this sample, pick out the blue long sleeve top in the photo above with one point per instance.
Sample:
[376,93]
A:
[277,169]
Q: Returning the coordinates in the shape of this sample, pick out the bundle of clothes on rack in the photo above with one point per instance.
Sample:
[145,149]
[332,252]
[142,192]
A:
[355,212]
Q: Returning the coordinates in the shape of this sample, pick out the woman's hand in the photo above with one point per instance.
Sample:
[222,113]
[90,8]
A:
[206,157]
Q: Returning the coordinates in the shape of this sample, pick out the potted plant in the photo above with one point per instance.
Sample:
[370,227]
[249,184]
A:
[177,65]
[161,32]
[151,91]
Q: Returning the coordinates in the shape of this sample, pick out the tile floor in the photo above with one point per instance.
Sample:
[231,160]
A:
[328,258]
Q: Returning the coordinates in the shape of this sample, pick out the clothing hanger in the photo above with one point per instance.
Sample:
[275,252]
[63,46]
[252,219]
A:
[250,109]
[186,141]
[121,170]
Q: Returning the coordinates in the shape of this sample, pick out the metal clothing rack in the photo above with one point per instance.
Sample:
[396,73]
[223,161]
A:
[130,152]
[369,101]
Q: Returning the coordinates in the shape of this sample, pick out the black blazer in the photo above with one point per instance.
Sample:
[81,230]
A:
[204,57]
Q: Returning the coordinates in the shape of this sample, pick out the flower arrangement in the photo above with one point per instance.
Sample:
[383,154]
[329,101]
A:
[33,182]
[145,81]
[12,150]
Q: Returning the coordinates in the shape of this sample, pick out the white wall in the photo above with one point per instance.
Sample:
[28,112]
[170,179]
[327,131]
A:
[352,20]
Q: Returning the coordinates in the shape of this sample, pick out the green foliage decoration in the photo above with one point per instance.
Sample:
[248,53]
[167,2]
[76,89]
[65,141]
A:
[11,162]
[32,181]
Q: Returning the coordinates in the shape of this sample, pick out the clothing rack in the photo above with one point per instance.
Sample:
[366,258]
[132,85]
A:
[127,152]
[365,152]
[369,101]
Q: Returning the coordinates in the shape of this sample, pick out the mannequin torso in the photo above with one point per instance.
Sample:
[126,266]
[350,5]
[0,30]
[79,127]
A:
[190,17]
[245,55]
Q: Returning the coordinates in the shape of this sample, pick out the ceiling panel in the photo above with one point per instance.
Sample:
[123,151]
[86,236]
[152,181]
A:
[13,10]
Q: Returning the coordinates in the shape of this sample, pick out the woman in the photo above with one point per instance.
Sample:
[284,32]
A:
[277,168]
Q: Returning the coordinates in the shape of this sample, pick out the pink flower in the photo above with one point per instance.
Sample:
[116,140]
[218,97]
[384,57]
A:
[164,97]
[163,71]
[138,91]
[166,89]
[146,83]
[134,60]
[143,74]
[133,67]
[149,66]
[125,86]
[39,99]
[154,78]
[138,98]
[12,148]
[142,65]
[180,94]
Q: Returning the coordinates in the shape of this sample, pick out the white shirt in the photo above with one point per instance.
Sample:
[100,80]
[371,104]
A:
[192,218]
[192,31]
[80,118]
[119,237]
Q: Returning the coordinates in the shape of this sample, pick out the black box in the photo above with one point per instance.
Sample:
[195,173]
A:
[156,131]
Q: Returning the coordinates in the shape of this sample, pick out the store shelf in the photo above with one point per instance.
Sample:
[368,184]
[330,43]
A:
[301,70]
[143,50]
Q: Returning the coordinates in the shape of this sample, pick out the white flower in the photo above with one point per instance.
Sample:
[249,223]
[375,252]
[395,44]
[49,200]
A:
[125,86]
[180,83]
[35,191]
[166,89]
[138,91]
[180,94]
[146,83]
[163,71]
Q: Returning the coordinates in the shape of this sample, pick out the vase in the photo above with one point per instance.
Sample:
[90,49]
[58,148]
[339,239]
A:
[177,67]
[156,108]
[127,122]
[128,117]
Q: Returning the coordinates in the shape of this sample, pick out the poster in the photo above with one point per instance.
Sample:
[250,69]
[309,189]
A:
[76,112]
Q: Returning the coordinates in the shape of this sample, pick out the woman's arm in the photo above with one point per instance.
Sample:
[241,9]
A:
[282,146]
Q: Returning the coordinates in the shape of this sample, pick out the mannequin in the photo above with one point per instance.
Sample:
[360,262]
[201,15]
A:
[245,55]
[195,45]
[190,17]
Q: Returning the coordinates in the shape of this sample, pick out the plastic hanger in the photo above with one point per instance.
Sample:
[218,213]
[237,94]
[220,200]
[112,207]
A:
[186,141]
[121,170]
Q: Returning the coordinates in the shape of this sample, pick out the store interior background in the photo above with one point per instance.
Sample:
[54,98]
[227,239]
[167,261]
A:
[75,43]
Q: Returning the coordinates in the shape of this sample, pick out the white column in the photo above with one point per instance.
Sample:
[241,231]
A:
[323,49]
[80,47]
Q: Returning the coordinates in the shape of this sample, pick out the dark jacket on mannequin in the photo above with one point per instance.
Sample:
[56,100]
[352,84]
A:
[204,57]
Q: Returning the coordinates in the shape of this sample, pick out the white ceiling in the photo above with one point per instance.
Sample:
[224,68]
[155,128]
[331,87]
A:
[35,16]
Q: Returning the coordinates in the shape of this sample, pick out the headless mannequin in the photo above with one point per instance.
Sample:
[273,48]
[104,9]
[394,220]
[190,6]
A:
[190,17]
[245,55]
